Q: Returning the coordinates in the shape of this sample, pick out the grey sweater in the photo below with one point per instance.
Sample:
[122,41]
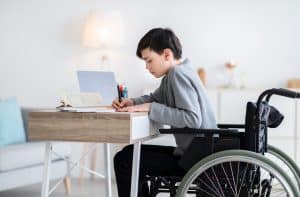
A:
[180,101]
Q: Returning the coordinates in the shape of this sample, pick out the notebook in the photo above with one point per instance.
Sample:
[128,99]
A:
[100,82]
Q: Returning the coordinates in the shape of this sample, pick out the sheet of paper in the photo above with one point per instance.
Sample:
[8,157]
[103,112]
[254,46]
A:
[88,109]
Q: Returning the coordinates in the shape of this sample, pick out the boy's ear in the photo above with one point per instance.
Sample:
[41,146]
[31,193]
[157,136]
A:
[167,54]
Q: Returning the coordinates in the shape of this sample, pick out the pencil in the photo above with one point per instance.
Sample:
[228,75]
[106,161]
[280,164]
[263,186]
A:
[119,93]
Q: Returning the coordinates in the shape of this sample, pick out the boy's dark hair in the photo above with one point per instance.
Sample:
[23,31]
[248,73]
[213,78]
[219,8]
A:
[158,39]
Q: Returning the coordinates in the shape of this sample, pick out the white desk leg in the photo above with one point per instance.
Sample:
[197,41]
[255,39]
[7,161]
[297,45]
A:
[135,169]
[108,169]
[46,173]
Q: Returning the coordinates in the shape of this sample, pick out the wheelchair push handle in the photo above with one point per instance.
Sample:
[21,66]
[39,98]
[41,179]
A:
[287,93]
[277,91]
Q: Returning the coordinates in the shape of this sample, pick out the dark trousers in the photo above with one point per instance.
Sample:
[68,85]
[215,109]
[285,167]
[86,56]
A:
[155,160]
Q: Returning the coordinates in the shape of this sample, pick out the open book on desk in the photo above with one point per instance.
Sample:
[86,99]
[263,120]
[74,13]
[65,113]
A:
[88,109]
[83,102]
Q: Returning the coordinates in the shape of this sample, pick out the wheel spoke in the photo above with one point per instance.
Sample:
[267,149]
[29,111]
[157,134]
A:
[233,179]
[244,175]
[208,193]
[212,189]
[213,170]
[228,180]
[213,184]
[237,177]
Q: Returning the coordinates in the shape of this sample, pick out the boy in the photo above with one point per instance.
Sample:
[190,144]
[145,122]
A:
[180,101]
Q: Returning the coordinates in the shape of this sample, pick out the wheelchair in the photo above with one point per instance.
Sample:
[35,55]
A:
[234,160]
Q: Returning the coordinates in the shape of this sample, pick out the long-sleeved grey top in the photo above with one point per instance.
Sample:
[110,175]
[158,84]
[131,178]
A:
[180,101]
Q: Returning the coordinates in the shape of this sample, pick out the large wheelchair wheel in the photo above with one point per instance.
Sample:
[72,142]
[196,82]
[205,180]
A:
[285,163]
[236,173]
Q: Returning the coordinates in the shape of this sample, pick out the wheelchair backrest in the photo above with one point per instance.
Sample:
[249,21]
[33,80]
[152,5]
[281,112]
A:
[256,126]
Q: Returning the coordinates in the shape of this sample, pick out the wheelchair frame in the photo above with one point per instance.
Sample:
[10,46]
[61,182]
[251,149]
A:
[255,130]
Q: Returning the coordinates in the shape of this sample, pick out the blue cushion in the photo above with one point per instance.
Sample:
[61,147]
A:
[11,123]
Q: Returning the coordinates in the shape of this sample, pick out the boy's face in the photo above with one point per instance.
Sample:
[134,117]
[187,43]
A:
[157,64]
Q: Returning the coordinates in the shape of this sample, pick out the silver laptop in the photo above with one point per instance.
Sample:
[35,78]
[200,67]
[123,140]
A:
[100,82]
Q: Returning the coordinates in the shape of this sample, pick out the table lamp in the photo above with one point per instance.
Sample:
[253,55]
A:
[103,31]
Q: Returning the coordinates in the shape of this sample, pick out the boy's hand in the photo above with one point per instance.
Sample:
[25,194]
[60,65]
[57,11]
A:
[136,108]
[124,103]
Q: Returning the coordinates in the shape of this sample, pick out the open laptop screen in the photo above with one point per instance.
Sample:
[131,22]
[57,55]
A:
[100,82]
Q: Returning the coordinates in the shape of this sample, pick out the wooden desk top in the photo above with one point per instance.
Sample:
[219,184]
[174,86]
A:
[111,127]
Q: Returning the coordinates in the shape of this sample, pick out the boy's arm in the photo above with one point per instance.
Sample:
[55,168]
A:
[142,99]
[187,112]
[153,97]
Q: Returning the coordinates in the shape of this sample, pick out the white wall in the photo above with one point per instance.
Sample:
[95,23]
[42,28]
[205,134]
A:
[40,42]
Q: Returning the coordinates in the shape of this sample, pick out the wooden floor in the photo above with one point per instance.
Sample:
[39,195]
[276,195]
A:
[88,188]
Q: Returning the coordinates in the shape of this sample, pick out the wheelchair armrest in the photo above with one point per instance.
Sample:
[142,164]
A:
[199,131]
[233,126]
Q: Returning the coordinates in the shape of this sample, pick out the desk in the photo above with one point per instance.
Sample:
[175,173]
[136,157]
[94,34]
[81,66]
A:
[104,127]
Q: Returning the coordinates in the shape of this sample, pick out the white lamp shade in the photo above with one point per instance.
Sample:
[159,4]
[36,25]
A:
[103,30]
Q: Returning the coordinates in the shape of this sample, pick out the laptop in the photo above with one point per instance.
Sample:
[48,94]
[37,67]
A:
[100,82]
